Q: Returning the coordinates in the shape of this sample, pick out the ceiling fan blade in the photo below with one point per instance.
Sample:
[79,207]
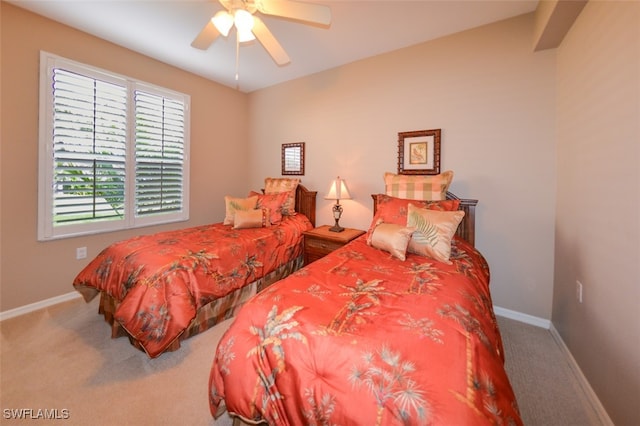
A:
[306,12]
[207,36]
[269,42]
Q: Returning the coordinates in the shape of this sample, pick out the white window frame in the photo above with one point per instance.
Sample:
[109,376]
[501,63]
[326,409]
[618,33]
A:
[46,228]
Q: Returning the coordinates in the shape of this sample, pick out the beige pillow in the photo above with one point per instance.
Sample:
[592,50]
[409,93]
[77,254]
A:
[288,185]
[232,205]
[258,218]
[434,231]
[392,238]
[423,187]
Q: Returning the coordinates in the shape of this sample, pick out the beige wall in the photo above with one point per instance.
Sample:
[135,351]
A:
[502,119]
[598,214]
[492,97]
[33,271]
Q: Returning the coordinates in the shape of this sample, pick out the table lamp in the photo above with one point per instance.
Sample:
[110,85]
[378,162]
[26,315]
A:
[338,191]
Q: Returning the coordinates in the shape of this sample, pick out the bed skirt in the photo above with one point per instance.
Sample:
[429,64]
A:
[209,315]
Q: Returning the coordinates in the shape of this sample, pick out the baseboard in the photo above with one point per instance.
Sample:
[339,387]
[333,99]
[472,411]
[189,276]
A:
[525,318]
[11,313]
[603,417]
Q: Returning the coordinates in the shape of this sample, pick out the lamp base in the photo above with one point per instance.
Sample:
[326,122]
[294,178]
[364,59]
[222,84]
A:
[337,212]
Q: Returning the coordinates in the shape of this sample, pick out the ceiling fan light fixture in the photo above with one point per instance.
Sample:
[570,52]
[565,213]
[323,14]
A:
[223,21]
[240,13]
[245,36]
[243,20]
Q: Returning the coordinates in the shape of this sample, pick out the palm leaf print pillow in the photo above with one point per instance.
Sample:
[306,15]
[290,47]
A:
[434,231]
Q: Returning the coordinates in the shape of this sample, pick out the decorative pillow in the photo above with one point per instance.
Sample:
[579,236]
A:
[288,185]
[394,210]
[434,231]
[234,204]
[258,218]
[422,187]
[273,202]
[392,238]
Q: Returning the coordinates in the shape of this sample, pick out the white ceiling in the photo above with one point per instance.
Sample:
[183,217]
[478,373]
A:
[164,29]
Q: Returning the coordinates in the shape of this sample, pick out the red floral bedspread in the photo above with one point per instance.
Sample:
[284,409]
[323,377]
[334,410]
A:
[361,338]
[161,280]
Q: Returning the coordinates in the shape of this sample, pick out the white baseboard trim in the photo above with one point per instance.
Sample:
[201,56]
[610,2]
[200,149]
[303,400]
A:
[11,313]
[603,417]
[525,318]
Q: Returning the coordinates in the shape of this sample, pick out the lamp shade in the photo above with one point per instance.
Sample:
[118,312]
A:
[245,36]
[243,20]
[223,22]
[338,190]
[244,24]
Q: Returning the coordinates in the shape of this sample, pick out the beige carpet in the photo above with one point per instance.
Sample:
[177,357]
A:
[546,387]
[62,358]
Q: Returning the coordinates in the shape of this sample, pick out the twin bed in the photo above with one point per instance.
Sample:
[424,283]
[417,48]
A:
[163,288]
[377,332]
[363,337]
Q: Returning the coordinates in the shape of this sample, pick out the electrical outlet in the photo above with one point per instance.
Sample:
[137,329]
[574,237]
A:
[81,252]
[579,291]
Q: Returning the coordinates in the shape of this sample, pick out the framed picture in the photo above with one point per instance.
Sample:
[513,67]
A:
[419,152]
[293,158]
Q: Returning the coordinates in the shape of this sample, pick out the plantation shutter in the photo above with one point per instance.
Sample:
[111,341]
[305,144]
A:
[160,151]
[89,148]
[113,152]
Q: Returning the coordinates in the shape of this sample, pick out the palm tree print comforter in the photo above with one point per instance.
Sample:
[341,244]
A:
[361,338]
[161,280]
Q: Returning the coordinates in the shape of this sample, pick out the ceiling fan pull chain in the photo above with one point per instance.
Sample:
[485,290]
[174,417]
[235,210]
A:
[237,56]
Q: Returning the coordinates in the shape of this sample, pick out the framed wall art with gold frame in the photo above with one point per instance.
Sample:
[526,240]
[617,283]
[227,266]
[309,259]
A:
[419,152]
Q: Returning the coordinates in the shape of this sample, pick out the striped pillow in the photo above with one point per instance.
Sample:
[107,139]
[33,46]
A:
[423,187]
[288,185]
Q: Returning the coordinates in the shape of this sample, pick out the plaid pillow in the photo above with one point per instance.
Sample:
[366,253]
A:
[288,185]
[430,187]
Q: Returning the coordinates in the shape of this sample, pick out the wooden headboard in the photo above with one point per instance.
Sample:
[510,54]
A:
[467,228]
[306,203]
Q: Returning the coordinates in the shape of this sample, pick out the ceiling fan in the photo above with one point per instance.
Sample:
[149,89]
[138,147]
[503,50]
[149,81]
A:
[241,14]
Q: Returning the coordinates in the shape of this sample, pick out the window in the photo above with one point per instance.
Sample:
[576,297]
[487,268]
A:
[113,151]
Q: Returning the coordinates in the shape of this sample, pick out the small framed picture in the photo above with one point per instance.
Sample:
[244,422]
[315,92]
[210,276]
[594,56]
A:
[293,158]
[419,152]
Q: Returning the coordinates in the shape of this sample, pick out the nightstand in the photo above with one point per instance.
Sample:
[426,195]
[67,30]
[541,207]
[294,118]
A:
[320,241]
